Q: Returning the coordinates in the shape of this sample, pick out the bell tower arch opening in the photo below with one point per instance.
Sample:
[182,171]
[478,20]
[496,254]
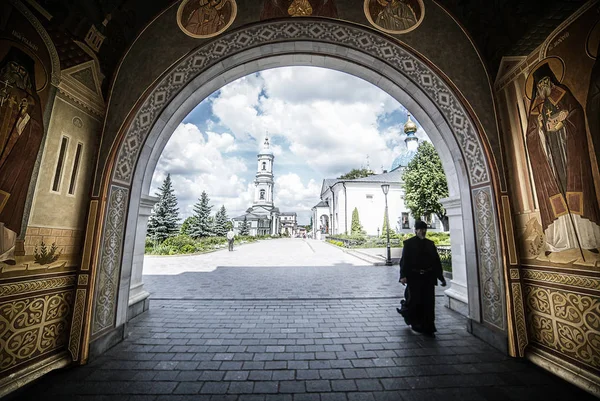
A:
[479,283]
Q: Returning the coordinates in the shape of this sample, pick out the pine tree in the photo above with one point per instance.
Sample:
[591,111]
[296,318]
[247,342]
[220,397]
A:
[163,221]
[356,226]
[201,225]
[186,226]
[221,221]
[386,224]
[244,227]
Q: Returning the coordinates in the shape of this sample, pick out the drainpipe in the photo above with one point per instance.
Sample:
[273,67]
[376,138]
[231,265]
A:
[333,209]
[345,209]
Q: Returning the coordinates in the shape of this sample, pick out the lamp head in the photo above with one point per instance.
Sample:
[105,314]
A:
[385,188]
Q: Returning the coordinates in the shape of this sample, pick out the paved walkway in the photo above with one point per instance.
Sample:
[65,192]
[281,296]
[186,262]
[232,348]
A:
[274,269]
[328,338]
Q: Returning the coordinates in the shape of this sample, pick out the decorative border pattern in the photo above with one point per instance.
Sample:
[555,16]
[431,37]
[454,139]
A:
[514,274]
[29,286]
[490,268]
[77,323]
[32,327]
[520,322]
[590,283]
[379,47]
[337,34]
[566,322]
[82,279]
[108,272]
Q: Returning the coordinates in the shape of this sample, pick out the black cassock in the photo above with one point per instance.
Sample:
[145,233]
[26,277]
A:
[420,265]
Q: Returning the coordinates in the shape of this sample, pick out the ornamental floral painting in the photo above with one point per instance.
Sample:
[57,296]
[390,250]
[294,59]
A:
[298,8]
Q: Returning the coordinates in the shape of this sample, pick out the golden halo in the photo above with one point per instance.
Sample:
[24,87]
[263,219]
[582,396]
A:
[190,6]
[556,65]
[591,44]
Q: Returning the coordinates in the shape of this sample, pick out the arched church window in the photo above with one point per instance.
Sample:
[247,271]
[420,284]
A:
[264,165]
[262,194]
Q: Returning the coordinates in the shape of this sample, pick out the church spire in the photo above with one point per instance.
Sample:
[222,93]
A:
[266,146]
[410,128]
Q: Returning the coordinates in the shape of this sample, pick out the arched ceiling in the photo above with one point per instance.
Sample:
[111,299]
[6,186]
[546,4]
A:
[498,27]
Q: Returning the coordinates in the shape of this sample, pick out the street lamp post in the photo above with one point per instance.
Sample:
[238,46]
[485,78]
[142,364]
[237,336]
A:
[388,261]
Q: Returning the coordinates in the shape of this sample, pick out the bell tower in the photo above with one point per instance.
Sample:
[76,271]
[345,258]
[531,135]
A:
[263,193]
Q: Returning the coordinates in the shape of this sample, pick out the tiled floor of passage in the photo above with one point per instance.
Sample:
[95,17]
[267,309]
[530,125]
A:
[295,350]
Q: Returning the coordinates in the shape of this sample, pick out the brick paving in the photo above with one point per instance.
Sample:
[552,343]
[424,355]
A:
[324,346]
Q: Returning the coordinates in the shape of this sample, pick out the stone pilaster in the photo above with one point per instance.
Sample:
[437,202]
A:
[457,295]
[138,297]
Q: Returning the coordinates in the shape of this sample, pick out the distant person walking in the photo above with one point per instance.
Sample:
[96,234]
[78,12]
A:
[420,269]
[230,238]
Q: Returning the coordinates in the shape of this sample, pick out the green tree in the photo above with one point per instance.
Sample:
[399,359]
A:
[186,226]
[386,224]
[356,173]
[221,221]
[425,184]
[163,221]
[201,225]
[356,227]
[244,227]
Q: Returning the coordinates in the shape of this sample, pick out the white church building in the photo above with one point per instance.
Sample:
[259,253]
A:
[333,214]
[263,218]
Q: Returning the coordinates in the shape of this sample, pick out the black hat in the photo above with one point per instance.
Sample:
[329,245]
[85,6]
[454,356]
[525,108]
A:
[420,225]
[544,70]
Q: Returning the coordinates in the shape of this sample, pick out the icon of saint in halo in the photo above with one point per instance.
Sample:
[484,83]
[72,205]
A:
[394,16]
[206,18]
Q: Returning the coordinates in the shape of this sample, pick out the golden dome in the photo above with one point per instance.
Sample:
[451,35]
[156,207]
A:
[410,126]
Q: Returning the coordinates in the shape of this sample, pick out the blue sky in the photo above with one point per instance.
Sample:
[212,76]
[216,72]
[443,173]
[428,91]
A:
[322,123]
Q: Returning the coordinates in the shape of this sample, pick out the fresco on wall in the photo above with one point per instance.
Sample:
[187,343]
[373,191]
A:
[562,122]
[21,132]
[24,91]
[561,167]
[298,8]
[206,18]
[394,16]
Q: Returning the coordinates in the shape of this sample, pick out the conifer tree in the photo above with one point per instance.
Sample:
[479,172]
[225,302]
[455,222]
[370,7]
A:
[356,226]
[386,225]
[244,228]
[201,225]
[221,220]
[163,221]
[186,226]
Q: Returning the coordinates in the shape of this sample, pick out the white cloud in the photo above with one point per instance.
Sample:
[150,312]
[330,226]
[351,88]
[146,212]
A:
[293,196]
[328,118]
[325,121]
[199,164]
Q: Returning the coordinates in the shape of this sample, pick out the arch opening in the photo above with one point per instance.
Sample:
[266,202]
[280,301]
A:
[471,203]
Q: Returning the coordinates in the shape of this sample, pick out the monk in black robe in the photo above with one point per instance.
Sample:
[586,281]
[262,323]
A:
[561,167]
[420,269]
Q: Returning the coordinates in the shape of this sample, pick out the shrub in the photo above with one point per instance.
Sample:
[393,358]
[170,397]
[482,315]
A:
[439,238]
[163,249]
[188,248]
[179,241]
[46,255]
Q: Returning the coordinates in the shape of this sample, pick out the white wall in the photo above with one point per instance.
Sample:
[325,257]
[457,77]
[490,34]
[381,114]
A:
[370,202]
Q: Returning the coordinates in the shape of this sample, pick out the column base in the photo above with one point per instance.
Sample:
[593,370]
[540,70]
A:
[139,302]
[457,298]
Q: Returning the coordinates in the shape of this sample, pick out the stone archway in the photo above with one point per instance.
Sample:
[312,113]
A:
[356,50]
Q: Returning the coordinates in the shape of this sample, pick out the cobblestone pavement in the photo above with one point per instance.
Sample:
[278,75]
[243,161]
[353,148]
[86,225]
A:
[315,347]
[274,269]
